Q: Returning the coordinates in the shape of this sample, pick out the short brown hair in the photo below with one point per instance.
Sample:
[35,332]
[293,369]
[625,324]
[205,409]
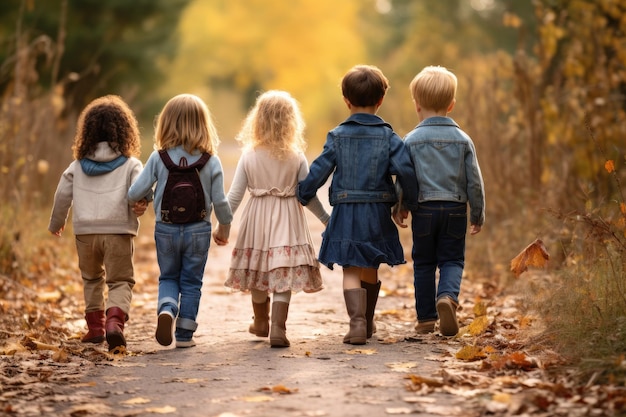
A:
[364,85]
[434,88]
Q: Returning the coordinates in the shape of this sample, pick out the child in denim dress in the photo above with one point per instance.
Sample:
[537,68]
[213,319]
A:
[185,130]
[362,154]
[448,176]
[274,253]
[106,147]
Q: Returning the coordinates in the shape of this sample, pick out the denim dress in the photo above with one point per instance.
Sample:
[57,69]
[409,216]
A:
[362,154]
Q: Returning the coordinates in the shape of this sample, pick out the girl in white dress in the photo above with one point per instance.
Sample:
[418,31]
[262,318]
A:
[274,252]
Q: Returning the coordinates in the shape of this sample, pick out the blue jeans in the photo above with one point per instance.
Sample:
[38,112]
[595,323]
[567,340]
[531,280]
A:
[182,251]
[439,229]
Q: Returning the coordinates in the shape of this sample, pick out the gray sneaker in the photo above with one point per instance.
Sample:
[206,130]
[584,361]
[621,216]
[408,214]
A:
[185,343]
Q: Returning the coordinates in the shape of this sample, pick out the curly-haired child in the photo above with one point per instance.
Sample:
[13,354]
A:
[106,146]
[274,253]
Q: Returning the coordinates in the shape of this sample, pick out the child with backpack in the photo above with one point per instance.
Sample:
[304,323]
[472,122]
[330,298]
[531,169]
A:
[106,147]
[189,184]
[274,253]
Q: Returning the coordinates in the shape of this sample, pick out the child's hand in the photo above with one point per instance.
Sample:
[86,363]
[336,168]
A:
[140,207]
[399,216]
[474,229]
[58,232]
[220,236]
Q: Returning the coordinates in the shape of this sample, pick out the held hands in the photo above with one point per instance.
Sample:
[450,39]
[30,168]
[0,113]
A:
[140,207]
[399,216]
[220,235]
[58,232]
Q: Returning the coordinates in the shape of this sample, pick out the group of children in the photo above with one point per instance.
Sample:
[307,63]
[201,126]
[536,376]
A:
[436,176]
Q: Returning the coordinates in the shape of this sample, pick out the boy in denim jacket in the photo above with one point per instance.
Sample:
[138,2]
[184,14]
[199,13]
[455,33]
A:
[448,179]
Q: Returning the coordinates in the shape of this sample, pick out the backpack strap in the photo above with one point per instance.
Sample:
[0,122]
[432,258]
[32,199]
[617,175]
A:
[169,164]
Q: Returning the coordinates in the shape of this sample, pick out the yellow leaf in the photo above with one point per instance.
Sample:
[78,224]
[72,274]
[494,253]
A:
[609,166]
[480,309]
[622,207]
[502,397]
[534,254]
[478,325]
[470,353]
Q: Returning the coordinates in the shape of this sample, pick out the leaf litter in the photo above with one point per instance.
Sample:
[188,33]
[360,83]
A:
[495,362]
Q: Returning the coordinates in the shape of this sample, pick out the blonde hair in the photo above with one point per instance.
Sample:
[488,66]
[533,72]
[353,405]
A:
[274,121]
[434,88]
[185,120]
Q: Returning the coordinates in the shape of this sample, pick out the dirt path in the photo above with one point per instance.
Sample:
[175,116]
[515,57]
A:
[232,373]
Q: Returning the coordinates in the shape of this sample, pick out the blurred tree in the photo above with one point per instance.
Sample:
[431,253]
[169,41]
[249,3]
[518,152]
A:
[301,46]
[407,35]
[578,88]
[95,47]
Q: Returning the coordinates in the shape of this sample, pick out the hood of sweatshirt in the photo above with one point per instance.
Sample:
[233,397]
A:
[104,160]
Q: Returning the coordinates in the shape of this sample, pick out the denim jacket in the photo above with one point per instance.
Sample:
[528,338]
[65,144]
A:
[446,166]
[362,153]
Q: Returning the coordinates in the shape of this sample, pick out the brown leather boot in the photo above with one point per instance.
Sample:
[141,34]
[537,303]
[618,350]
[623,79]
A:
[261,325]
[278,331]
[95,324]
[446,309]
[356,304]
[372,299]
[115,327]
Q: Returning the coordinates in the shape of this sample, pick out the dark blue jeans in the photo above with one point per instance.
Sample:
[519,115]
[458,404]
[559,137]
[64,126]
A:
[439,229]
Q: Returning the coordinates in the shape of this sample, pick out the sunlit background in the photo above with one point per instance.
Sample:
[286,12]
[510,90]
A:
[542,92]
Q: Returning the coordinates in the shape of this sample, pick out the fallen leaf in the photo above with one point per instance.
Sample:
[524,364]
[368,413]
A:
[257,399]
[281,389]
[399,410]
[479,309]
[361,351]
[401,366]
[470,353]
[609,165]
[419,380]
[534,254]
[136,400]
[478,325]
[162,410]
[444,410]
[60,356]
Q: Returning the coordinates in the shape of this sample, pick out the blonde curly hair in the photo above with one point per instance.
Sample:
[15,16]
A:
[275,121]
